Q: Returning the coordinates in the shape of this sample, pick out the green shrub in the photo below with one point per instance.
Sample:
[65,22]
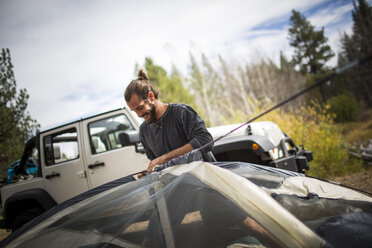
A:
[345,107]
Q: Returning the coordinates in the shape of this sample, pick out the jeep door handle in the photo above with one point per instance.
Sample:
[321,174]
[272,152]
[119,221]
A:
[52,175]
[92,166]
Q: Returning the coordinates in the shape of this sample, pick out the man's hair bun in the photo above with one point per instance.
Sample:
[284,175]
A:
[142,75]
[141,87]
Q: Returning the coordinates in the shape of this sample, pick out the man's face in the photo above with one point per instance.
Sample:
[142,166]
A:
[143,108]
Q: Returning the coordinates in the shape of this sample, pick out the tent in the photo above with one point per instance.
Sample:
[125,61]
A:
[207,205]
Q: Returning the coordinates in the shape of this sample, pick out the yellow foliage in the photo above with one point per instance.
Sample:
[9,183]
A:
[313,128]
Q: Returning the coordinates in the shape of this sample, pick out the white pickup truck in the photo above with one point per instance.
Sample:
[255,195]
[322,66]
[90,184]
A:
[65,161]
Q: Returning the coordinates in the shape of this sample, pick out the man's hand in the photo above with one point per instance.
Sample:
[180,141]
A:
[142,174]
[158,161]
[169,156]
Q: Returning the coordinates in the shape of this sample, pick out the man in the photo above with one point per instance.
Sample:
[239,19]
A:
[170,130]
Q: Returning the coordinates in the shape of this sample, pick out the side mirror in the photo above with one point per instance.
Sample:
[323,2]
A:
[131,138]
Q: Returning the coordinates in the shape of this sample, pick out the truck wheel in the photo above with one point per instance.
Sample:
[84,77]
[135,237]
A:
[25,216]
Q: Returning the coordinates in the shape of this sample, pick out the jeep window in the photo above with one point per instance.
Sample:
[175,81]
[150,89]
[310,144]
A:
[61,147]
[33,163]
[104,134]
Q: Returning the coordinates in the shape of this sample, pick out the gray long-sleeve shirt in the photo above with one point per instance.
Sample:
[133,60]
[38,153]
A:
[180,125]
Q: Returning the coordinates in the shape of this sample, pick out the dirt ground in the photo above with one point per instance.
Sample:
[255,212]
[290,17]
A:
[3,234]
[361,180]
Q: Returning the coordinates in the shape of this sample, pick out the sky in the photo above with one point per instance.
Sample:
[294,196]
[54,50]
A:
[76,57]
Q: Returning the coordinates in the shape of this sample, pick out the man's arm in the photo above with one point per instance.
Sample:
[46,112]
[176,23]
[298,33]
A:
[195,130]
[169,156]
[150,155]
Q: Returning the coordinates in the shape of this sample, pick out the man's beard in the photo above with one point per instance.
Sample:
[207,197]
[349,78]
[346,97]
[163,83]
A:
[152,114]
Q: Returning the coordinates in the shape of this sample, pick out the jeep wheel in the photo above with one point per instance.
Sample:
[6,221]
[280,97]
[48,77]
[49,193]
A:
[25,216]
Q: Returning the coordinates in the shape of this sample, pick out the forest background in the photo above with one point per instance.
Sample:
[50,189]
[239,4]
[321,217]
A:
[328,121]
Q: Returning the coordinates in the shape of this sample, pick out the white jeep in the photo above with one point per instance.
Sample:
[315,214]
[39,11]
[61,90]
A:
[73,158]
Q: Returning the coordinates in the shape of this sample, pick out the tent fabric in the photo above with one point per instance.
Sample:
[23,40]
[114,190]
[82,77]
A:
[348,230]
[314,211]
[303,186]
[195,205]
[314,207]
[256,202]
[66,204]
[194,155]
[198,197]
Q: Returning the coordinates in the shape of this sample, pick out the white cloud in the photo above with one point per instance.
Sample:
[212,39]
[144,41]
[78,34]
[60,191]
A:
[76,57]
[330,15]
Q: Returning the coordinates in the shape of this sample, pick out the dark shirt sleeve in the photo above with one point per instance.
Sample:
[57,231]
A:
[150,155]
[195,130]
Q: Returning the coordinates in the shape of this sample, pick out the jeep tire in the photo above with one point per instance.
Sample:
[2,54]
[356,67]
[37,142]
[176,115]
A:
[25,216]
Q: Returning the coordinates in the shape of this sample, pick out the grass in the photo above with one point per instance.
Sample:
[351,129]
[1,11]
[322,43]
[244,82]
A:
[359,132]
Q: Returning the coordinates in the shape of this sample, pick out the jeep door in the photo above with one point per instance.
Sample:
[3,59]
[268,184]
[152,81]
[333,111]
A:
[63,163]
[106,158]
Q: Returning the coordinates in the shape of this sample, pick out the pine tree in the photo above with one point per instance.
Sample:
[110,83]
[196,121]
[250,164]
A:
[311,49]
[171,87]
[235,81]
[16,125]
[362,28]
[354,47]
[202,89]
